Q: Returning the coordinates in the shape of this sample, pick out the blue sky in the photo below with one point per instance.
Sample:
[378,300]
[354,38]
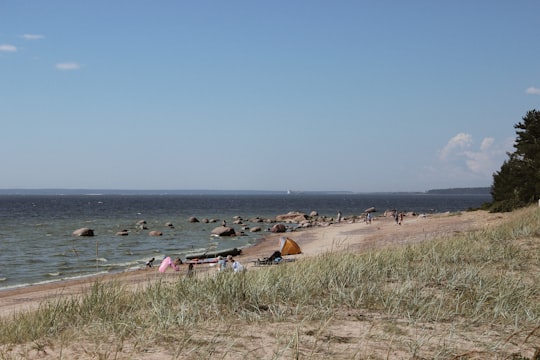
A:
[263,95]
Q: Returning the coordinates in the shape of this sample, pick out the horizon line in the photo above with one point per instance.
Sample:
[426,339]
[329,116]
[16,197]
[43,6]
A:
[110,191]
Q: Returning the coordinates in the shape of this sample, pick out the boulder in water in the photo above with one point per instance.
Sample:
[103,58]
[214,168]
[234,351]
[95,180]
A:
[83,232]
[224,231]
[278,228]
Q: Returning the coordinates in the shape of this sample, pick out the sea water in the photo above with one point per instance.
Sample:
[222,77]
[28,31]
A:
[37,245]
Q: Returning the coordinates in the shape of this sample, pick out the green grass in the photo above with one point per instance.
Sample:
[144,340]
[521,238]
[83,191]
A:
[488,277]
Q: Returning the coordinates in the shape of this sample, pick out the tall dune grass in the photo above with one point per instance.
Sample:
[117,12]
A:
[484,277]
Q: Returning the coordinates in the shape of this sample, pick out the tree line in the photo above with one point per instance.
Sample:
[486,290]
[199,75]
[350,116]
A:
[517,183]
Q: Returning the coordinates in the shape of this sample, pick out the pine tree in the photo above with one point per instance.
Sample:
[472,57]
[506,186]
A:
[517,183]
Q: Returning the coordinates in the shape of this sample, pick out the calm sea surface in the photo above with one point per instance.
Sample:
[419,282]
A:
[37,246]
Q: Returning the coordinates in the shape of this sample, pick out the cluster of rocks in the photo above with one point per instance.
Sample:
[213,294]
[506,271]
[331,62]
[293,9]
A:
[392,213]
[290,221]
[140,225]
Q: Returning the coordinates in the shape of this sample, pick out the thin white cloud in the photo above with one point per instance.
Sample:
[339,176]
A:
[68,66]
[533,90]
[457,144]
[481,162]
[7,48]
[32,37]
[459,155]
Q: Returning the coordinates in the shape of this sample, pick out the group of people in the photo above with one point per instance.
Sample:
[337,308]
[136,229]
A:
[229,263]
[223,264]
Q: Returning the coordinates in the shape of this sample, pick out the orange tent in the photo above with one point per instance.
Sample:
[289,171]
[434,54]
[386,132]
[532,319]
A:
[288,246]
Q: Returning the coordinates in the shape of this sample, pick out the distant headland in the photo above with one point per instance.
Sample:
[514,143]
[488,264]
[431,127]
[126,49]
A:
[462,191]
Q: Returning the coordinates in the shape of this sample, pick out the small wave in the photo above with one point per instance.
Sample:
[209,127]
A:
[53,274]
[196,250]
[3,279]
[124,264]
[17,286]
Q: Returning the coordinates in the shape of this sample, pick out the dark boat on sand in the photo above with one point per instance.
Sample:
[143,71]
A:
[214,254]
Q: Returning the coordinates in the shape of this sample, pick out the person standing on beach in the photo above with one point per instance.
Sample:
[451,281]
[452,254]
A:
[339,216]
[222,264]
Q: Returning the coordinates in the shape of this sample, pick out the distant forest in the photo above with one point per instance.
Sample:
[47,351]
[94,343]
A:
[462,191]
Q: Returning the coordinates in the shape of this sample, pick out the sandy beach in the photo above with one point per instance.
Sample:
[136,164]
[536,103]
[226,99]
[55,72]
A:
[350,334]
[344,236]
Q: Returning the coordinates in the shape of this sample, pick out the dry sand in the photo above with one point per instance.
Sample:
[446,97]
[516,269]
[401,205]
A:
[344,236]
